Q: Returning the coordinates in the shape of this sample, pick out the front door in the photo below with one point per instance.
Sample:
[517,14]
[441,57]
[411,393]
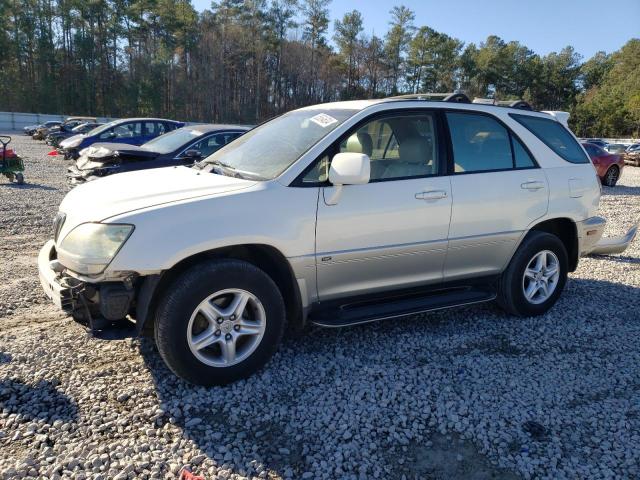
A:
[392,232]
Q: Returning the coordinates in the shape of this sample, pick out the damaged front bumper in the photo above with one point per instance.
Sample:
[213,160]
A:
[75,176]
[111,300]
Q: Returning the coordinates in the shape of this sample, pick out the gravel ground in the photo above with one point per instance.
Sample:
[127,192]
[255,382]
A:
[466,393]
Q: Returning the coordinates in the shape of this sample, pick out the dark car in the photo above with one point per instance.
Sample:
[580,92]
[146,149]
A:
[54,138]
[608,165]
[31,129]
[130,131]
[180,147]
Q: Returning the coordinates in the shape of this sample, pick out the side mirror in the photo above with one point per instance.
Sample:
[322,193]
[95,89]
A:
[350,168]
[192,153]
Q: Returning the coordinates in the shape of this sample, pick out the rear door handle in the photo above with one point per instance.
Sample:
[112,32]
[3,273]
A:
[431,195]
[532,185]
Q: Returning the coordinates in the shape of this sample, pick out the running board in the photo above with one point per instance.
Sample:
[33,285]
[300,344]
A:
[613,245]
[398,306]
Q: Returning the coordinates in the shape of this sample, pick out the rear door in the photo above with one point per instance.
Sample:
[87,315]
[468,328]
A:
[498,190]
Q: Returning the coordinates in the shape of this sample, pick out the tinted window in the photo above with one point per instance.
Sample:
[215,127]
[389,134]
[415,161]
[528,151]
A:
[480,143]
[211,144]
[128,130]
[555,136]
[520,155]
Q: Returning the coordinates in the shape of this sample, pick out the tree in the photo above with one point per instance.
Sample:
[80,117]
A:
[346,37]
[432,61]
[316,24]
[397,40]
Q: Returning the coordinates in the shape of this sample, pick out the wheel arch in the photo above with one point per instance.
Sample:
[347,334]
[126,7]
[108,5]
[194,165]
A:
[566,230]
[266,257]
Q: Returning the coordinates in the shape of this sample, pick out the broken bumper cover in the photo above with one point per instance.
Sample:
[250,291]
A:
[613,245]
[62,291]
[111,300]
[75,176]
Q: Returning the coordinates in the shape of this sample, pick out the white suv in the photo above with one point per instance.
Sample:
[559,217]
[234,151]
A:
[335,215]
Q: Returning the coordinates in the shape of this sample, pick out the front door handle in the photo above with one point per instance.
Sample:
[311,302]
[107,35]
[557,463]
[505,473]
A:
[431,195]
[532,185]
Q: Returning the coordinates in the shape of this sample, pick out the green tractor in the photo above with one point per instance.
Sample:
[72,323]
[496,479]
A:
[12,165]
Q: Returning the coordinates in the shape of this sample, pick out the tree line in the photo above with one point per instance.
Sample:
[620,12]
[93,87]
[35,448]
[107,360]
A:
[248,60]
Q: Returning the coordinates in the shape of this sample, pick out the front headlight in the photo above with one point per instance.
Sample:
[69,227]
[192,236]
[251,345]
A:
[90,247]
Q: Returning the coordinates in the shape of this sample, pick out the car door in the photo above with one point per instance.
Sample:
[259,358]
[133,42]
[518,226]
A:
[392,232]
[129,133]
[498,190]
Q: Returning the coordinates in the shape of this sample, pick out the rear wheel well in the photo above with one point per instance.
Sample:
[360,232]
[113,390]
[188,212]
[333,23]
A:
[265,257]
[565,229]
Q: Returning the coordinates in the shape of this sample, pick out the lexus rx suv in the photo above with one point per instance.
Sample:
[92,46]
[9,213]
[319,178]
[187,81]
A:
[334,215]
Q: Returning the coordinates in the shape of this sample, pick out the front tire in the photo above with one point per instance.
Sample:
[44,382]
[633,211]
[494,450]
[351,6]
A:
[535,277]
[219,321]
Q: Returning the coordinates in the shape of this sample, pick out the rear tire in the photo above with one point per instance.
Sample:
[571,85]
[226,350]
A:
[611,177]
[526,288]
[19,178]
[195,324]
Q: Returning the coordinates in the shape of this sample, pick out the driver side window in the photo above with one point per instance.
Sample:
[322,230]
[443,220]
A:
[400,147]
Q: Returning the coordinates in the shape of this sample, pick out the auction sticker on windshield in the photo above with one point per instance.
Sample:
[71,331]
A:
[323,120]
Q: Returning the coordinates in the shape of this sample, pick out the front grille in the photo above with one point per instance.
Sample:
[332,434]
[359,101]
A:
[58,222]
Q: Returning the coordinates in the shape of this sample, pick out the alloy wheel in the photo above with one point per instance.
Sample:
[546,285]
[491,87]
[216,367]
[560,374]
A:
[541,277]
[226,327]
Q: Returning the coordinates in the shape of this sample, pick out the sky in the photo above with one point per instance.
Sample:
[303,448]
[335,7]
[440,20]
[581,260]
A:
[542,25]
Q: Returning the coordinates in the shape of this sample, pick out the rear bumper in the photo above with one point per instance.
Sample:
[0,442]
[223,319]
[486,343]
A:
[613,245]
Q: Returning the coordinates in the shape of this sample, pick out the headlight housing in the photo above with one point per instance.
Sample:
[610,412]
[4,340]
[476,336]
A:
[90,247]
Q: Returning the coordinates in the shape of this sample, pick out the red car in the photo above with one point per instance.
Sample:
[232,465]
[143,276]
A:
[608,165]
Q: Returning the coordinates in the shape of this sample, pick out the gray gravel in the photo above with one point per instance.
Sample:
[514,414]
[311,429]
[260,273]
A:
[465,393]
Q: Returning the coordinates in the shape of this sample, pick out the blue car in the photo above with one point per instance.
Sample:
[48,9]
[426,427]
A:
[131,131]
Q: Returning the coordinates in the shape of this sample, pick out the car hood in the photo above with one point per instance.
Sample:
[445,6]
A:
[117,194]
[124,149]
[67,141]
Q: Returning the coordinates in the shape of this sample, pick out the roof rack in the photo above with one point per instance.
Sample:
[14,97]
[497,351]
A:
[520,104]
[438,97]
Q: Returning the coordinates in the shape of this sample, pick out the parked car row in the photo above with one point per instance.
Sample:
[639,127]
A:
[183,146]
[124,145]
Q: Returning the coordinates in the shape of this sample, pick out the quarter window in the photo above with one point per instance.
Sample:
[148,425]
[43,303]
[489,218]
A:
[555,136]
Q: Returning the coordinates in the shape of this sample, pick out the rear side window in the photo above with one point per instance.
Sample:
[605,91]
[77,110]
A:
[555,136]
[481,143]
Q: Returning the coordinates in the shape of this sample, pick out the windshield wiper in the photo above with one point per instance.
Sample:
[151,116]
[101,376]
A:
[229,171]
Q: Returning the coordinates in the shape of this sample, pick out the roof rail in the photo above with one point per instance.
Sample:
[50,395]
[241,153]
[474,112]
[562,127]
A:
[520,104]
[439,97]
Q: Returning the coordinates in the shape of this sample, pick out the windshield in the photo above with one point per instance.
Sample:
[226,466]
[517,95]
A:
[268,150]
[102,128]
[172,141]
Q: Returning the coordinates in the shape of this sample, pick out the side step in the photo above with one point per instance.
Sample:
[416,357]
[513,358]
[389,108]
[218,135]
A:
[383,308]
